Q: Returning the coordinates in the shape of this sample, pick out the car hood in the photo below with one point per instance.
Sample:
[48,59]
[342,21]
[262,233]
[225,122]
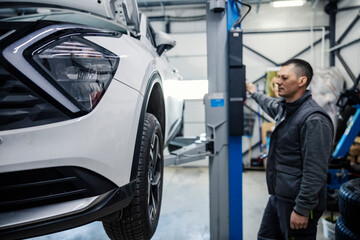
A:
[124,12]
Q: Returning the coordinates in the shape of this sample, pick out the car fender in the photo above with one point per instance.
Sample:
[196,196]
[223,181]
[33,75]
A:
[154,79]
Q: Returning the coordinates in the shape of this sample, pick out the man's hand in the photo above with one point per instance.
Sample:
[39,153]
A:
[297,221]
[250,87]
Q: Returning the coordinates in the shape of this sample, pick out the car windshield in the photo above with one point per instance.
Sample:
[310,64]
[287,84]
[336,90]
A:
[56,15]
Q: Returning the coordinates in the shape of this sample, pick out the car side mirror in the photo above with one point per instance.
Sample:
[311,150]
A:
[164,42]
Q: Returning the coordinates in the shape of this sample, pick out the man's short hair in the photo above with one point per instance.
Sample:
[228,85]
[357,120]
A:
[303,68]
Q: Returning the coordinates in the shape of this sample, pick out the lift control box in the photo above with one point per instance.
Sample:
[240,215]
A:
[237,83]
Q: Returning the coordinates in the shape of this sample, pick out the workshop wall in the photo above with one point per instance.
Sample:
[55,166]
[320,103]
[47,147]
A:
[350,54]
[279,47]
[189,56]
[181,14]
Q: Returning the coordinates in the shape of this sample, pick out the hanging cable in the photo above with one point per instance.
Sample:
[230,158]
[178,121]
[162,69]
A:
[240,18]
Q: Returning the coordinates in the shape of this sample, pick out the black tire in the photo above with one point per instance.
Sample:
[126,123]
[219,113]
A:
[349,204]
[342,232]
[139,220]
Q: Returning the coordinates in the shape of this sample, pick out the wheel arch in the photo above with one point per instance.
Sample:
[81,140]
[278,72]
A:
[153,103]
[156,105]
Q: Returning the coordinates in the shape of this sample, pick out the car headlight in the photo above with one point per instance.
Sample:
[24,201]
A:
[82,69]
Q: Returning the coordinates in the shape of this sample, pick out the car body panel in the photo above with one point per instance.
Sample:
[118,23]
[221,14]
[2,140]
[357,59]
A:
[136,64]
[85,141]
[136,69]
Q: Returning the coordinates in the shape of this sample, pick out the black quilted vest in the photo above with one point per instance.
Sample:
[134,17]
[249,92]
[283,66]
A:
[284,162]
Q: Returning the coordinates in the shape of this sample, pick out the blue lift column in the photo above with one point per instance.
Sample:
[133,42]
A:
[237,95]
[225,166]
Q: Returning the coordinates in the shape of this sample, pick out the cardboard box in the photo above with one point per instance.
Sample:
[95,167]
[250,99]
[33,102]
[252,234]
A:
[354,150]
[266,127]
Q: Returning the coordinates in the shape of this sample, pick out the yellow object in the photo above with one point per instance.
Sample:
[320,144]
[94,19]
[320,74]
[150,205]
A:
[271,87]
[266,127]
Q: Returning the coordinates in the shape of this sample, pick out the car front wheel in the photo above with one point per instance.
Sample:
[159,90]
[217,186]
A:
[139,220]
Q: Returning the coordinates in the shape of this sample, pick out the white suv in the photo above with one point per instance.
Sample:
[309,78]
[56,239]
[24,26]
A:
[83,117]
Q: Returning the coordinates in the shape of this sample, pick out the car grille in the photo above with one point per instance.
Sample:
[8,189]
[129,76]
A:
[21,107]
[32,188]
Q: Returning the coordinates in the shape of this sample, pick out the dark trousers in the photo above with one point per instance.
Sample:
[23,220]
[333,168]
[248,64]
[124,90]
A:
[275,224]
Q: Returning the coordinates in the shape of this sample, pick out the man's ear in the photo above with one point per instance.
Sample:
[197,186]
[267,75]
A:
[302,81]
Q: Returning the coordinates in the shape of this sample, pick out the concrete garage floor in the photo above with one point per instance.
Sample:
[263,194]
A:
[185,208]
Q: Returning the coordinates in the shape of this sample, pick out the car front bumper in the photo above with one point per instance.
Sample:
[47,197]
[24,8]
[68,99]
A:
[39,221]
[98,147]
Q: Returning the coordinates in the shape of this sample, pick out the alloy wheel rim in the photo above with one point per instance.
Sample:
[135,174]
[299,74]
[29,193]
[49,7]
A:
[154,177]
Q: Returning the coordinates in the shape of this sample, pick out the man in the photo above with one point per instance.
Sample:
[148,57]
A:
[297,162]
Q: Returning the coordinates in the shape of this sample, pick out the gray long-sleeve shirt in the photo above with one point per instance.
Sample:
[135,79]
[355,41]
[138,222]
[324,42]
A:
[316,136]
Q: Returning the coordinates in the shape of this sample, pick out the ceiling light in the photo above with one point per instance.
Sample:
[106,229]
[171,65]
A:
[294,3]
